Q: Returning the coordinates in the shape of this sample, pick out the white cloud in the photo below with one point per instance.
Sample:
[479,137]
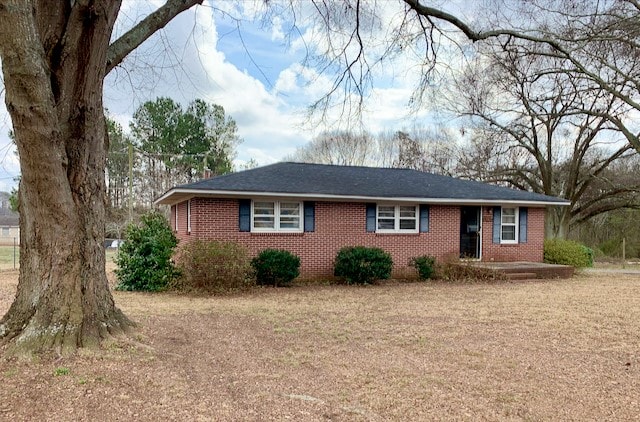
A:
[277,34]
[287,81]
[385,108]
[184,62]
[385,105]
[270,126]
[301,84]
[122,119]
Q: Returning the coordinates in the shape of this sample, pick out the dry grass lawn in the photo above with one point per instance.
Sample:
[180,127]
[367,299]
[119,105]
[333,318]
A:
[548,350]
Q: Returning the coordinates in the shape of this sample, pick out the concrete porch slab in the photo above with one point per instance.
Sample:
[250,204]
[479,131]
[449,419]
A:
[532,269]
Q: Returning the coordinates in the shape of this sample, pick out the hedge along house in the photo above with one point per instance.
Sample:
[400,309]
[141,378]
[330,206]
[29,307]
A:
[313,210]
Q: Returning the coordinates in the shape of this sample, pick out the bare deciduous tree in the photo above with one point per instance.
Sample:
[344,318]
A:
[595,41]
[545,131]
[431,150]
[339,147]
[416,148]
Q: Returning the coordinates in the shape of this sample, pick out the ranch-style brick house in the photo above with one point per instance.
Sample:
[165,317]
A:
[313,210]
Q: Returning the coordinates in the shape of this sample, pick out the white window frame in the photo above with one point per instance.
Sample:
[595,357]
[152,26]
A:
[516,225]
[189,216]
[396,219]
[277,217]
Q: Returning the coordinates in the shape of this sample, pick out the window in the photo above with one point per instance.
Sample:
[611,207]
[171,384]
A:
[397,219]
[6,231]
[509,225]
[276,216]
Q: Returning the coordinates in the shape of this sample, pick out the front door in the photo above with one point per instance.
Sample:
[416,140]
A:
[470,232]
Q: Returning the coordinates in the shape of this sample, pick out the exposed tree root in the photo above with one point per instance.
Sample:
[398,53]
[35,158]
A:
[25,338]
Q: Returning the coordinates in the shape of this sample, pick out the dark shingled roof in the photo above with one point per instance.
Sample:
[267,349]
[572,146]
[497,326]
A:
[9,220]
[322,179]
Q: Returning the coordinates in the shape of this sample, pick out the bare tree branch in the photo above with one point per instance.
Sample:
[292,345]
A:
[570,50]
[144,29]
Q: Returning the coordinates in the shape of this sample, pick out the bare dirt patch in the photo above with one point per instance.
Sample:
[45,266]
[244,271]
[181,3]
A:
[545,350]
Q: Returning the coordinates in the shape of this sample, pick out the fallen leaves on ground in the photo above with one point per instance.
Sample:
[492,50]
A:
[542,350]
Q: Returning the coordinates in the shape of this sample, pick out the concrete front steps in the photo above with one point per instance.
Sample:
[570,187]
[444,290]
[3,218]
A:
[528,270]
[521,276]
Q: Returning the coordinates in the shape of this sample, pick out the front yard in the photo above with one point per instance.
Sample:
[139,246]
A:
[547,350]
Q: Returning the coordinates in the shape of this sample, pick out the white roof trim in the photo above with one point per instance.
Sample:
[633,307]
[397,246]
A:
[190,193]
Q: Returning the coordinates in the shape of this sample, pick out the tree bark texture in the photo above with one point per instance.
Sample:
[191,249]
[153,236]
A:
[53,60]
[557,222]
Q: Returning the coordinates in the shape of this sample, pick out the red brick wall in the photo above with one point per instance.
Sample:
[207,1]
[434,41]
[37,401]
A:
[339,224]
[530,251]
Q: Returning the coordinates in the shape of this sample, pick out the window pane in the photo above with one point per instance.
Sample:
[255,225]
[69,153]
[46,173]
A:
[407,224]
[409,212]
[508,232]
[509,216]
[509,219]
[386,224]
[289,208]
[289,222]
[386,211]
[263,222]
[263,208]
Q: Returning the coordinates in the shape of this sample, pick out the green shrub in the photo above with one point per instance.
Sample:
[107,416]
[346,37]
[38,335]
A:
[425,265]
[214,267]
[611,247]
[590,255]
[361,265]
[598,254]
[144,260]
[567,252]
[276,267]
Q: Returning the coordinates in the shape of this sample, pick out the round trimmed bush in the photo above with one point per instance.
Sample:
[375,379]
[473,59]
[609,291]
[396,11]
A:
[362,265]
[567,252]
[276,267]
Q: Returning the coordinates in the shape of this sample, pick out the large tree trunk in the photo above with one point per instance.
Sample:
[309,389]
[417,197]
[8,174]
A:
[54,97]
[557,221]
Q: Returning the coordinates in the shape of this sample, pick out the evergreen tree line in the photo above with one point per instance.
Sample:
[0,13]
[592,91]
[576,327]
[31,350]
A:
[168,145]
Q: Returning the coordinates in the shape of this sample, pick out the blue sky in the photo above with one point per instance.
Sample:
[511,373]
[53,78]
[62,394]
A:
[260,83]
